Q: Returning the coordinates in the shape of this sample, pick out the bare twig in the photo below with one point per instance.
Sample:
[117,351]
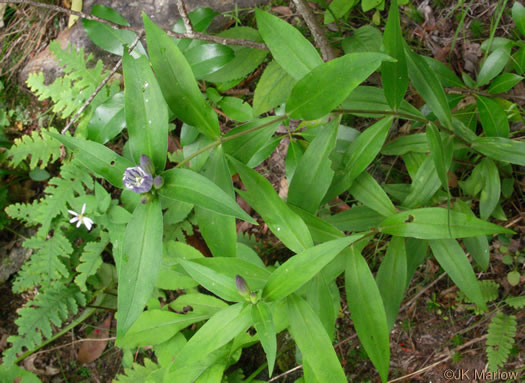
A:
[75,342]
[285,373]
[411,301]
[100,86]
[318,34]
[185,18]
[194,35]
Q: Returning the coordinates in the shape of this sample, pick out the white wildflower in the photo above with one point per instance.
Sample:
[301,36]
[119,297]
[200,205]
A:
[80,218]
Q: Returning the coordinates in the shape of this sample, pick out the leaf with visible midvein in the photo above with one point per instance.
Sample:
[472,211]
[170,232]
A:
[302,267]
[282,221]
[326,86]
[263,323]
[491,190]
[367,311]
[146,112]
[394,75]
[440,155]
[140,263]
[216,332]
[360,154]
[273,88]
[178,83]
[501,149]
[191,187]
[313,173]
[314,343]
[367,191]
[493,118]
[451,257]
[393,268]
[288,46]
[428,86]
[433,223]
[101,160]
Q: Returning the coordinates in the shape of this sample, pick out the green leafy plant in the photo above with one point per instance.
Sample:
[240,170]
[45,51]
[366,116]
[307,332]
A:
[327,160]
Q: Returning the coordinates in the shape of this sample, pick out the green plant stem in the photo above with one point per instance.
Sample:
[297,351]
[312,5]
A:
[383,112]
[221,139]
[86,314]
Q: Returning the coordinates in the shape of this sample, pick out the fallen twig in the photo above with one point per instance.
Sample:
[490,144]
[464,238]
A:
[185,18]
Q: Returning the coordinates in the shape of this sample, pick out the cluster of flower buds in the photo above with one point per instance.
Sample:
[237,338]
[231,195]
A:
[139,179]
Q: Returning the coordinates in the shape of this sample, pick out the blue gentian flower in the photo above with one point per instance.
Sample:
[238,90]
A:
[137,180]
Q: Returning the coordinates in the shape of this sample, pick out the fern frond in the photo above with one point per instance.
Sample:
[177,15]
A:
[489,290]
[61,191]
[137,373]
[75,64]
[42,148]
[24,212]
[45,264]
[516,302]
[53,306]
[90,260]
[501,333]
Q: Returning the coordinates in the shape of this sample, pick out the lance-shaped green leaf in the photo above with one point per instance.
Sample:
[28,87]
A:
[219,284]
[425,184]
[282,221]
[518,16]
[314,343]
[504,82]
[445,75]
[452,259]
[314,174]
[302,267]
[178,83]
[358,218]
[416,250]
[263,323]
[187,186]
[416,142]
[501,149]
[360,154]
[393,268]
[139,264]
[394,75]
[478,247]
[433,223]
[205,59]
[293,156]
[326,86]
[288,46]
[108,120]
[493,118]
[100,160]
[491,188]
[157,326]
[246,145]
[146,112]
[442,158]
[367,311]
[428,86]
[323,296]
[367,191]
[273,88]
[493,65]
[219,231]
[216,332]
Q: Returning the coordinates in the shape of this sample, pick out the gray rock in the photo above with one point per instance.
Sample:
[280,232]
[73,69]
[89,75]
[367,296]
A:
[12,257]
[162,12]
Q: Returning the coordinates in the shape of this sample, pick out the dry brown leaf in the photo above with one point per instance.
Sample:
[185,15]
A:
[29,365]
[90,350]
[282,10]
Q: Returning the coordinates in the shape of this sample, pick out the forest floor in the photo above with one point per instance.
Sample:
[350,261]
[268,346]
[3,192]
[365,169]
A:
[436,331]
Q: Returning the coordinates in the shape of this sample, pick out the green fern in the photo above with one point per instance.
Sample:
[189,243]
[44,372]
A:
[45,265]
[24,212]
[501,333]
[90,260]
[69,93]
[137,373]
[516,302]
[489,289]
[54,305]
[42,148]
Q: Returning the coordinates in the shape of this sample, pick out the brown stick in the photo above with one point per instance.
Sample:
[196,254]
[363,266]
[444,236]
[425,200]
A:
[100,86]
[185,18]
[195,35]
[318,34]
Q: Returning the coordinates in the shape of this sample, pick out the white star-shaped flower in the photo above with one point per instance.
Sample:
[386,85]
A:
[80,218]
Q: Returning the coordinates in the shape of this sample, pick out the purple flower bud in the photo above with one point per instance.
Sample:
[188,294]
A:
[137,180]
[158,182]
[242,287]
[146,164]
[253,298]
